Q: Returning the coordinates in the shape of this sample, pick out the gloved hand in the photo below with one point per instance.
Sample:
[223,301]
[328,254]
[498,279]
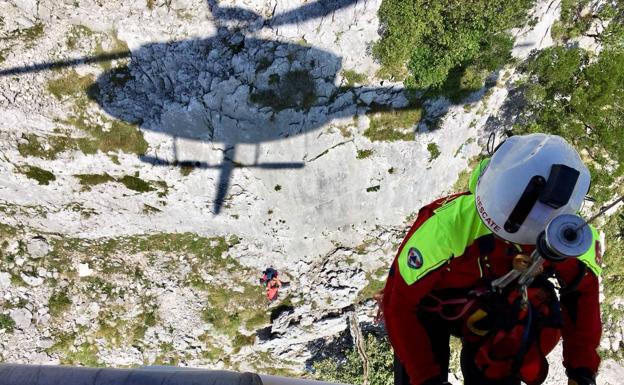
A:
[581,376]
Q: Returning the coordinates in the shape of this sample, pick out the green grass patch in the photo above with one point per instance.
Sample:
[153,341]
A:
[17,280]
[186,168]
[27,35]
[376,282]
[392,124]
[77,33]
[352,77]
[59,303]
[116,46]
[122,136]
[136,184]
[70,85]
[43,177]
[206,249]
[102,133]
[45,147]
[242,340]
[117,331]
[266,363]
[7,323]
[213,353]
[89,180]
[363,154]
[168,356]
[98,285]
[86,355]
[7,231]
[434,151]
[230,309]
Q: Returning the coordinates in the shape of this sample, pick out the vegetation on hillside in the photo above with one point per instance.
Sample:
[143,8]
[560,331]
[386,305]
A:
[424,42]
[351,370]
[579,95]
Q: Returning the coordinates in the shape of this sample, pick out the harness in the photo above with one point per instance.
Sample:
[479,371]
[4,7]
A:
[441,306]
[511,338]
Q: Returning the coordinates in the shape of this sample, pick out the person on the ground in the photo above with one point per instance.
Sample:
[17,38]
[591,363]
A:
[272,289]
[268,274]
[440,281]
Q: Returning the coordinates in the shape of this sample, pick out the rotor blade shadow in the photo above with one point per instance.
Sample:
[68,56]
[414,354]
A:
[310,11]
[64,63]
[156,161]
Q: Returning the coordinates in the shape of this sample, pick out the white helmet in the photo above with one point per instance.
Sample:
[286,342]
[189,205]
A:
[530,180]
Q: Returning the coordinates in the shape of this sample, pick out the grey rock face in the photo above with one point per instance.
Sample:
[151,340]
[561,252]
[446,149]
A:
[37,247]
[5,280]
[22,318]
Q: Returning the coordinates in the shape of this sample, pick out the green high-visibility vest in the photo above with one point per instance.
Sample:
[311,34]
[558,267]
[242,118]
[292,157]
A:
[447,234]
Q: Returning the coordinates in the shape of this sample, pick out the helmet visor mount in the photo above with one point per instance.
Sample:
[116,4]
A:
[554,192]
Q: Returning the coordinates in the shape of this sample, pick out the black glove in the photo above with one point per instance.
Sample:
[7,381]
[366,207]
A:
[582,376]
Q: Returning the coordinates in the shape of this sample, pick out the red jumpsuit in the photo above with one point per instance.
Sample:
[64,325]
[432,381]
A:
[484,259]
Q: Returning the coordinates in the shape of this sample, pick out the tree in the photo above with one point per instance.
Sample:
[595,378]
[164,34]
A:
[425,41]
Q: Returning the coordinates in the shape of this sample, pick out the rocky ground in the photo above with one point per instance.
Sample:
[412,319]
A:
[175,148]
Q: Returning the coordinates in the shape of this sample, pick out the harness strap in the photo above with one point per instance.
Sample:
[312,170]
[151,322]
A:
[440,304]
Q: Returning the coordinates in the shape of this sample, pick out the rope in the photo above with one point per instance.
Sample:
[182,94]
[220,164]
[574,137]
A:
[358,341]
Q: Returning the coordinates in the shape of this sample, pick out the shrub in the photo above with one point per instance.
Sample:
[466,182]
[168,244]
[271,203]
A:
[7,323]
[380,360]
[424,40]
[43,177]
[59,303]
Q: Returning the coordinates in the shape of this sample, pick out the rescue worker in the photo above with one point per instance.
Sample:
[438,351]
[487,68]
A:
[440,281]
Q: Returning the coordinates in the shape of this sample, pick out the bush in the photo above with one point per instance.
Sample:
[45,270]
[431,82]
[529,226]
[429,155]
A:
[7,323]
[43,177]
[581,101]
[424,41]
[351,371]
[59,303]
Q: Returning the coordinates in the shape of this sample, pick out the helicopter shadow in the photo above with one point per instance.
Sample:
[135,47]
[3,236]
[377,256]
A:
[232,88]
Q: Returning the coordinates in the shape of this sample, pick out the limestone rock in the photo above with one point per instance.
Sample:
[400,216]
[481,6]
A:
[37,247]
[22,318]
[84,270]
[5,280]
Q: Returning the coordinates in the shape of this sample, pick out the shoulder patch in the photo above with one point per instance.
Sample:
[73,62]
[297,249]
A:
[414,258]
[443,236]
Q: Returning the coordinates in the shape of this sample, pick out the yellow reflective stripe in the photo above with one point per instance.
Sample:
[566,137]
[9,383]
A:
[589,258]
[446,234]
